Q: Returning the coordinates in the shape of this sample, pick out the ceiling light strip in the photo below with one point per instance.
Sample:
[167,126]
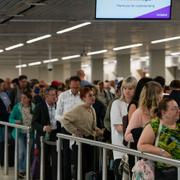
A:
[165,40]
[127,47]
[34,63]
[85,65]
[39,38]
[1,50]
[14,46]
[70,57]
[21,65]
[175,53]
[51,60]
[73,28]
[97,52]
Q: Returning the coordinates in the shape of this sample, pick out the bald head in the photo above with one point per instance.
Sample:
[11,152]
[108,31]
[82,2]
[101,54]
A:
[81,74]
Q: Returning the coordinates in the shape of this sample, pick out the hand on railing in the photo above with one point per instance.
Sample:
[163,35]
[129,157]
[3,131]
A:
[98,132]
[165,153]
[18,122]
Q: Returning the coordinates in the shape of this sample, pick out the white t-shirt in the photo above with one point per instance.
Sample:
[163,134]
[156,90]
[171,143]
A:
[118,110]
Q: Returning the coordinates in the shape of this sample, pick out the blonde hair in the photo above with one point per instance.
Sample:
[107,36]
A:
[150,97]
[129,82]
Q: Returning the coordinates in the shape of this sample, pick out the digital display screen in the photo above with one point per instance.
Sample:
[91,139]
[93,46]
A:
[133,9]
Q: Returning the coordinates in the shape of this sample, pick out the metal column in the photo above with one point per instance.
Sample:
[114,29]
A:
[16,155]
[104,164]
[79,168]
[42,159]
[59,165]
[6,151]
[28,156]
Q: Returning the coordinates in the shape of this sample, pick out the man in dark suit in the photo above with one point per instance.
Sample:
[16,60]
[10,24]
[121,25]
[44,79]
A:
[4,116]
[45,124]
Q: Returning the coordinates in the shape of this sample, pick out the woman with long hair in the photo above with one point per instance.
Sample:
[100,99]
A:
[134,102]
[150,97]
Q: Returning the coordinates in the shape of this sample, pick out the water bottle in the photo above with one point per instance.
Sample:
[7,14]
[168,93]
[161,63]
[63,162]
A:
[47,136]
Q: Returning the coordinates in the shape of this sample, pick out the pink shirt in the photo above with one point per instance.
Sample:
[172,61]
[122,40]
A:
[138,119]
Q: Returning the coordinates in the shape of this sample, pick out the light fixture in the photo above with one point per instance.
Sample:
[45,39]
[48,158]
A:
[165,40]
[1,50]
[114,61]
[73,28]
[85,65]
[127,47]
[70,57]
[34,63]
[175,54]
[39,38]
[106,63]
[36,4]
[50,60]
[96,52]
[14,46]
[144,57]
[110,62]
[21,65]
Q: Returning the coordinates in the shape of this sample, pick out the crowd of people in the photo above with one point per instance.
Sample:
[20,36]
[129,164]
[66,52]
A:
[128,113]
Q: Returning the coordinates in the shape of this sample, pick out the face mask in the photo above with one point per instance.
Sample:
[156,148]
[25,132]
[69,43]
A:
[36,90]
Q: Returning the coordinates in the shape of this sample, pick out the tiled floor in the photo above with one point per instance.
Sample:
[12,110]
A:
[9,177]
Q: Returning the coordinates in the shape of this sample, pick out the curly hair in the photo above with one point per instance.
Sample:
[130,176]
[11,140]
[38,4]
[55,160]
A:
[150,97]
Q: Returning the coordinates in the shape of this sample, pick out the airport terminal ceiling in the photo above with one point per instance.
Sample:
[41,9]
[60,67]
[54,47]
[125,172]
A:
[22,20]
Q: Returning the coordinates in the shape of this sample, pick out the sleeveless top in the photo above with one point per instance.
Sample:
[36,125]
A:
[169,139]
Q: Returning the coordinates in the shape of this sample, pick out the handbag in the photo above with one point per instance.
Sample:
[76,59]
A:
[125,122]
[145,169]
[123,169]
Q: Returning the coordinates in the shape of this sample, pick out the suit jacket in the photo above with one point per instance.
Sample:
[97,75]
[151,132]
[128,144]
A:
[40,119]
[4,115]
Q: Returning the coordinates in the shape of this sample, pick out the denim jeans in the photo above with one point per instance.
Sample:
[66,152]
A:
[22,152]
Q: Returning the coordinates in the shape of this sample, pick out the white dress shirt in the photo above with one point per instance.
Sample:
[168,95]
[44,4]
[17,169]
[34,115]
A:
[66,102]
[51,110]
